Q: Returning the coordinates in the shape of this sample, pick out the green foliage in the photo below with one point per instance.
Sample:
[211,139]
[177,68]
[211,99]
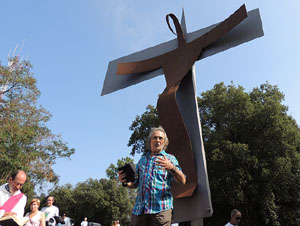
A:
[141,127]
[251,148]
[252,151]
[100,201]
[25,141]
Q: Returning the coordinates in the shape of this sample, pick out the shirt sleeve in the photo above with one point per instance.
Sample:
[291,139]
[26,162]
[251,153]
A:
[175,162]
[2,213]
[57,211]
[20,207]
[136,182]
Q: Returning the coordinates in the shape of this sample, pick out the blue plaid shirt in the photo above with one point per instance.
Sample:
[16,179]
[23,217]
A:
[154,185]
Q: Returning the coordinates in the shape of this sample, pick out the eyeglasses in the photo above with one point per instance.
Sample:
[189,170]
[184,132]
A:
[18,184]
[157,138]
[238,218]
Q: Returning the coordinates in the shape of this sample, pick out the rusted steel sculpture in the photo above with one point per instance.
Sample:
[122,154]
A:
[176,116]
[176,65]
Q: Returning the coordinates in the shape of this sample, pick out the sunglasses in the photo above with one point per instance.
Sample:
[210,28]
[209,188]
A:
[157,137]
[238,218]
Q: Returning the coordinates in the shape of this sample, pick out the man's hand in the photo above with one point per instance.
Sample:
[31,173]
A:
[165,163]
[122,176]
[123,180]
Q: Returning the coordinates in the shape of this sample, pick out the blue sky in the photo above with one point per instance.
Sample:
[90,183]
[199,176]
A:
[70,42]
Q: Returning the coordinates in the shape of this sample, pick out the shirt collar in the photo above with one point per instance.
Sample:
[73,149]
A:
[162,153]
[7,188]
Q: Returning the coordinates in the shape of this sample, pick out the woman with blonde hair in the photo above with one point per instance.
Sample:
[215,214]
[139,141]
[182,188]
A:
[36,217]
[116,223]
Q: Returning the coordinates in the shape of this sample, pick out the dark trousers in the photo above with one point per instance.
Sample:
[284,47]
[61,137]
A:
[158,219]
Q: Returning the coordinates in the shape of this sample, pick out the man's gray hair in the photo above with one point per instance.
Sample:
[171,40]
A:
[234,212]
[150,135]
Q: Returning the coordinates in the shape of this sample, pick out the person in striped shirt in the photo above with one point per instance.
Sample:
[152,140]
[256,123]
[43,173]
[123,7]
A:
[156,169]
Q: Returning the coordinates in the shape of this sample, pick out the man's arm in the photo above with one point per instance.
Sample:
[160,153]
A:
[178,175]
[42,221]
[22,202]
[57,212]
[168,165]
[131,185]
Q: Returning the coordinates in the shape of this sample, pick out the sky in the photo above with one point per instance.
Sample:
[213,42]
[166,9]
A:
[70,43]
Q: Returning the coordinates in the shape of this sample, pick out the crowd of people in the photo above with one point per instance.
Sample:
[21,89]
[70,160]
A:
[13,202]
[154,202]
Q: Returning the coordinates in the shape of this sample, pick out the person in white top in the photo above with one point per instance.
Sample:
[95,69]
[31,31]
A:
[67,220]
[117,223]
[50,210]
[235,218]
[10,189]
[36,217]
[84,222]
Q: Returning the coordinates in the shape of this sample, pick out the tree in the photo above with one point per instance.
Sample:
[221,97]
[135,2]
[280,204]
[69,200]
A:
[252,150]
[141,127]
[252,143]
[25,140]
[63,198]
[100,201]
[112,174]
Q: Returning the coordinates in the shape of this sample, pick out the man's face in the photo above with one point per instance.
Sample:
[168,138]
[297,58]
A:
[236,219]
[17,183]
[157,142]
[50,201]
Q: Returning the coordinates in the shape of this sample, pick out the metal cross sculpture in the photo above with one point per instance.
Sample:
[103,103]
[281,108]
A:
[177,105]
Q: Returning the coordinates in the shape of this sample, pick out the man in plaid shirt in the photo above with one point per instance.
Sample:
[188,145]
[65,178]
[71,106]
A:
[156,169]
